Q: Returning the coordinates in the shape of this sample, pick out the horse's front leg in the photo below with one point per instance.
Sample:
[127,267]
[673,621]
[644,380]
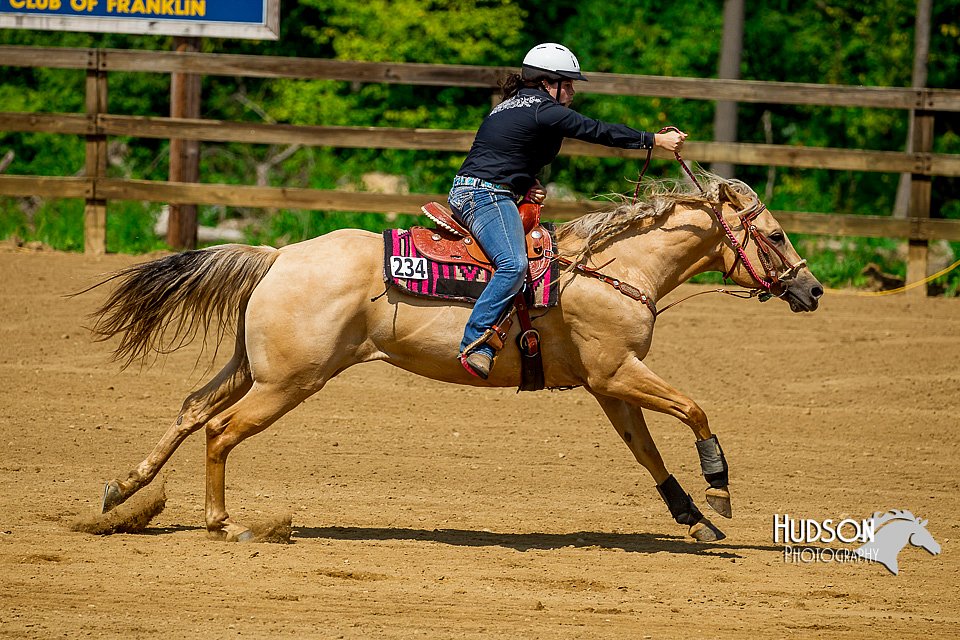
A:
[629,423]
[637,385]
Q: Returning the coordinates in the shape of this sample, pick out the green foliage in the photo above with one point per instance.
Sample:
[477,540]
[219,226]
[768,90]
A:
[840,261]
[847,42]
[58,224]
[450,31]
[130,227]
[44,154]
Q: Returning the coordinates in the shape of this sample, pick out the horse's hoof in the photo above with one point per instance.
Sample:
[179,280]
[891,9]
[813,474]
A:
[112,497]
[243,536]
[719,501]
[222,535]
[705,531]
[237,533]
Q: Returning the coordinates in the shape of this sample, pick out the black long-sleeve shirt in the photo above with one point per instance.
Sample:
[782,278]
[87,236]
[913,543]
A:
[523,134]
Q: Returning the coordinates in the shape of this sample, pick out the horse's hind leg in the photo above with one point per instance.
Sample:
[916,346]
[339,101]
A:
[226,388]
[629,423]
[262,405]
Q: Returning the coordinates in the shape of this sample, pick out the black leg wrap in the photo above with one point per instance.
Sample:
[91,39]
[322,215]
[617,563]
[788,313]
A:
[680,503]
[712,462]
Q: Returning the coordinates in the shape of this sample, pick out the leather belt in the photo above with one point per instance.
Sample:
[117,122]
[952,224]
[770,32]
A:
[470,181]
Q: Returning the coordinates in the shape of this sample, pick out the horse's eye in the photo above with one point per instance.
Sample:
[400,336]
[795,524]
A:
[777,236]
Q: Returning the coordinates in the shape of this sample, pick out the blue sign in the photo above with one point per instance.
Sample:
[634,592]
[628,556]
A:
[229,18]
[225,11]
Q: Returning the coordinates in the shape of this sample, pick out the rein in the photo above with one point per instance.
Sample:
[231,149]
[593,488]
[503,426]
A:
[634,293]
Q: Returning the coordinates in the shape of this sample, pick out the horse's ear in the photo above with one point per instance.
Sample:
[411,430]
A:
[730,195]
[924,523]
[723,192]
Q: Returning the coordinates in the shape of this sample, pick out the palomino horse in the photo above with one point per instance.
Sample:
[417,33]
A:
[306,312]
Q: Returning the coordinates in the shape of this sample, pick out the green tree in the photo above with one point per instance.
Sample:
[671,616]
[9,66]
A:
[828,41]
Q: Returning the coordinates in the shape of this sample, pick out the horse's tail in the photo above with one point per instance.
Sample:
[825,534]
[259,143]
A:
[159,306]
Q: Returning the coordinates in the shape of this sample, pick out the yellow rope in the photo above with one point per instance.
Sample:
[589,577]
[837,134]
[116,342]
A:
[905,287]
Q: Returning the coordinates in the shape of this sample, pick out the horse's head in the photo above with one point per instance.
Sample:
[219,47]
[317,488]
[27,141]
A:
[757,252]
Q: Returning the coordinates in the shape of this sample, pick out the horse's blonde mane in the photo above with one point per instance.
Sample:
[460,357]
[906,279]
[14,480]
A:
[658,198]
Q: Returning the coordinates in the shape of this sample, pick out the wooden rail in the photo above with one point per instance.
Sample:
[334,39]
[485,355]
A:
[335,200]
[459,141]
[96,125]
[447,75]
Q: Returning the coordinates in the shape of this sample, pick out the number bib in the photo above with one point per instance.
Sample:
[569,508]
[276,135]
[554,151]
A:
[408,268]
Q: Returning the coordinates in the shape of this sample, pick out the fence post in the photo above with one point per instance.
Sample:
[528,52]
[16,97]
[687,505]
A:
[184,154]
[920,191]
[95,209]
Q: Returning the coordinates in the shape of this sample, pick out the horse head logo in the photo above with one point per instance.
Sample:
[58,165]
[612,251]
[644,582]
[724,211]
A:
[898,528]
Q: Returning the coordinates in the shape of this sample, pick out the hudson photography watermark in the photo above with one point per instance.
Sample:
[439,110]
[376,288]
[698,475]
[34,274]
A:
[878,538]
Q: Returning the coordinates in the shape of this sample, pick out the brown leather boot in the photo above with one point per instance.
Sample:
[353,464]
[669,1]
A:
[477,363]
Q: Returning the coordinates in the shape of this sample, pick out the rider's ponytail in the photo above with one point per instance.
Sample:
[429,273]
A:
[510,85]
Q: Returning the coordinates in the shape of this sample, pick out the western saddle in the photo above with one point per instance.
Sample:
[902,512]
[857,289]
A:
[450,242]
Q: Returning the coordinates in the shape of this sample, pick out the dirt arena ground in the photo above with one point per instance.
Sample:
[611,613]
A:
[534,522]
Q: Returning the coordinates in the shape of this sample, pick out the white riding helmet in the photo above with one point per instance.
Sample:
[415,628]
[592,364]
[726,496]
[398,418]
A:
[551,58]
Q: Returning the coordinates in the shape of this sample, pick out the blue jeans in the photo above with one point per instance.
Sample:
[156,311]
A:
[492,217]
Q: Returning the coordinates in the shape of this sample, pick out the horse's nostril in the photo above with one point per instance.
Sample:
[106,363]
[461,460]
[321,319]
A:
[816,292]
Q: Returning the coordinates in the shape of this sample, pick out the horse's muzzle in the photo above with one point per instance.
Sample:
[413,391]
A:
[803,293]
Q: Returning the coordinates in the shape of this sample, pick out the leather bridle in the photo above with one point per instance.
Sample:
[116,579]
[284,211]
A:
[773,281]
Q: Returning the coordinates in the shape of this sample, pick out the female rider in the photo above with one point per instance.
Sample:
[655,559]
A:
[516,140]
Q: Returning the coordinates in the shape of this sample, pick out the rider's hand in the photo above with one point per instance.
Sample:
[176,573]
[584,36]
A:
[672,141]
[537,194]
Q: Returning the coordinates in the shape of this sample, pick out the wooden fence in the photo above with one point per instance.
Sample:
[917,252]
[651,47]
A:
[96,124]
